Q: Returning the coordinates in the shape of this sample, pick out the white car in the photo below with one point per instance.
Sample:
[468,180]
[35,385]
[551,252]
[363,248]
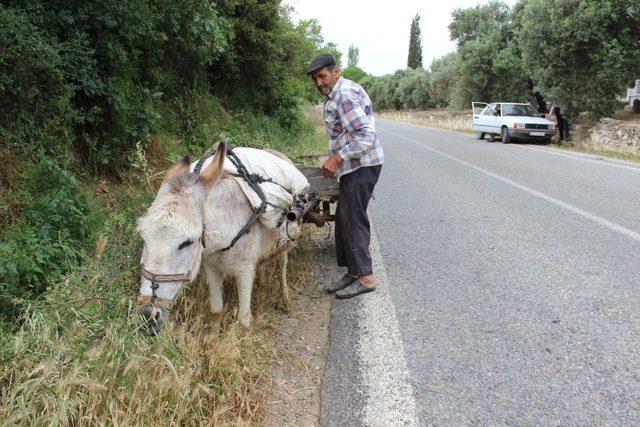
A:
[511,121]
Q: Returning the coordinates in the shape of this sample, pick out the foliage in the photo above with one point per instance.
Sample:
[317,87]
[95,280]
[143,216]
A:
[471,23]
[353,56]
[94,78]
[443,79]
[97,99]
[414,59]
[87,88]
[355,73]
[35,98]
[582,53]
[74,355]
[302,43]
[403,89]
[489,65]
[56,218]
[78,357]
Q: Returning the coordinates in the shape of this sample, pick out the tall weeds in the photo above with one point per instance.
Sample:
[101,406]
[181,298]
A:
[76,357]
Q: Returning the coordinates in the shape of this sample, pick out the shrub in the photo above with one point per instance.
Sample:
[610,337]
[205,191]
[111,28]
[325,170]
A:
[35,111]
[56,223]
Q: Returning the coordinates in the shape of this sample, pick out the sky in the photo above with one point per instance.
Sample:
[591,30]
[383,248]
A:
[381,29]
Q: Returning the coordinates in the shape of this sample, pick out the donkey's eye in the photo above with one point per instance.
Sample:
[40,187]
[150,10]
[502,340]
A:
[185,244]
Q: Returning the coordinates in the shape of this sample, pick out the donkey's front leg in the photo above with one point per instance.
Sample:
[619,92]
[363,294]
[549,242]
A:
[216,302]
[244,281]
[284,286]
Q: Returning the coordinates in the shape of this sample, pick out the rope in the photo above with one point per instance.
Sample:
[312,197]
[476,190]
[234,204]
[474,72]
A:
[254,180]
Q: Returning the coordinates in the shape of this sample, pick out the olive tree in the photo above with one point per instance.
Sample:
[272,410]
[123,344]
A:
[582,53]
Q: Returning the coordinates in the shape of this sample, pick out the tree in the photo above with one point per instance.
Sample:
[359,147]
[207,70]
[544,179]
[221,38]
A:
[468,24]
[489,63]
[443,79]
[354,56]
[415,44]
[355,73]
[581,53]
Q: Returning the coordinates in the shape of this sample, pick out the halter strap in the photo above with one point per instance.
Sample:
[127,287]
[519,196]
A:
[149,275]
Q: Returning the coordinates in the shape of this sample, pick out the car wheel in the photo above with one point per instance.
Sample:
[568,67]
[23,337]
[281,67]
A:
[636,106]
[546,141]
[506,138]
[480,135]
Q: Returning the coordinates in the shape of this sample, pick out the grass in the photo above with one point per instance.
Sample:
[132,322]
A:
[76,356]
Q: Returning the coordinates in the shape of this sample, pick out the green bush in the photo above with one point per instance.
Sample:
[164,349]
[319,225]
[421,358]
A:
[35,108]
[55,228]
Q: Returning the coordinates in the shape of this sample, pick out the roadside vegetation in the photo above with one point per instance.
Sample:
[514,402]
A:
[97,100]
[580,54]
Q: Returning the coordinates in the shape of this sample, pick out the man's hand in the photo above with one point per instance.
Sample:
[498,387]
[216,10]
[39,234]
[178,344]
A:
[331,165]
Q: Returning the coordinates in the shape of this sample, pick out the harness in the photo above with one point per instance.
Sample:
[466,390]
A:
[154,300]
[254,180]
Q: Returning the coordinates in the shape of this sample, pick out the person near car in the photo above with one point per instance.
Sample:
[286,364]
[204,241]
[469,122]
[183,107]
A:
[563,125]
[356,159]
[496,113]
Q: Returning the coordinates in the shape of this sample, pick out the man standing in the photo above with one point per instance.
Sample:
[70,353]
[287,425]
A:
[563,124]
[356,159]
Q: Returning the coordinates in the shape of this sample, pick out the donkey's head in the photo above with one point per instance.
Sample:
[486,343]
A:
[173,233]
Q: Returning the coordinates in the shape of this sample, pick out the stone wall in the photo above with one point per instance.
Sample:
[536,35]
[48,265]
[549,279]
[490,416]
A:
[613,135]
[445,119]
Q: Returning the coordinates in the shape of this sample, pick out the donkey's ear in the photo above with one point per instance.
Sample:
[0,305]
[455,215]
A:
[176,177]
[213,172]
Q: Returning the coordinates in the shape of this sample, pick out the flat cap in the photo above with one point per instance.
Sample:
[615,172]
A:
[324,60]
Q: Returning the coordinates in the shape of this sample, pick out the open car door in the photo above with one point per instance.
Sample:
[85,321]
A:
[478,120]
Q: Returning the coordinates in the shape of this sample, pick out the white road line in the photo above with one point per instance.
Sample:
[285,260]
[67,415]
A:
[585,158]
[389,395]
[598,220]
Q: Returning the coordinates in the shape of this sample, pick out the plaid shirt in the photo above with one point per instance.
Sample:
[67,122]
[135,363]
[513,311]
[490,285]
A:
[350,126]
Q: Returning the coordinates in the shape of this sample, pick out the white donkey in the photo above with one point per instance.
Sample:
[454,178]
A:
[187,210]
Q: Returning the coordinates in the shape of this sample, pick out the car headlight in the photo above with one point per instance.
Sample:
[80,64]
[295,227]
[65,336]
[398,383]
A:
[519,125]
[552,126]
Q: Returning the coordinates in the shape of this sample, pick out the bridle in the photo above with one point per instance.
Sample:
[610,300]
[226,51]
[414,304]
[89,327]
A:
[154,300]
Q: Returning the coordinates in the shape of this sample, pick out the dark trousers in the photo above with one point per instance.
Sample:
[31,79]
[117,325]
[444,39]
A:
[352,221]
[562,127]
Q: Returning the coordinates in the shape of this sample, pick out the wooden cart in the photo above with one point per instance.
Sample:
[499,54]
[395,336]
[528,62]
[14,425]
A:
[323,193]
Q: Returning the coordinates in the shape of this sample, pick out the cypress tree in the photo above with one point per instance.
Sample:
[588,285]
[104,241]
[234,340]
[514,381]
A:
[415,44]
[354,56]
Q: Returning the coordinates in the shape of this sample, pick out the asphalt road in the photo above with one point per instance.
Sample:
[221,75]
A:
[509,289]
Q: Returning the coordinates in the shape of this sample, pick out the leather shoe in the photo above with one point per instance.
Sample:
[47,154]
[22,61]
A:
[340,284]
[355,288]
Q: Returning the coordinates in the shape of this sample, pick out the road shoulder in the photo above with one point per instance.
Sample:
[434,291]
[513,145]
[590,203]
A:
[302,339]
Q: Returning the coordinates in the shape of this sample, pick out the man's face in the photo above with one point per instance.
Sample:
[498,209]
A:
[325,79]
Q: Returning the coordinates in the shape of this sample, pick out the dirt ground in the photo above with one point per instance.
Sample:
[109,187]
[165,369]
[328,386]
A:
[302,340]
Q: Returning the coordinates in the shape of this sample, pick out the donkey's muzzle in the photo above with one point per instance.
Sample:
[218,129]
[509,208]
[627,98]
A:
[153,318]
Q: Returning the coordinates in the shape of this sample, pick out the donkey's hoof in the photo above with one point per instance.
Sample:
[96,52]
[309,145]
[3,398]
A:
[245,323]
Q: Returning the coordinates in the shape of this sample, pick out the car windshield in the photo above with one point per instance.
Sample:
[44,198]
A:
[520,110]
